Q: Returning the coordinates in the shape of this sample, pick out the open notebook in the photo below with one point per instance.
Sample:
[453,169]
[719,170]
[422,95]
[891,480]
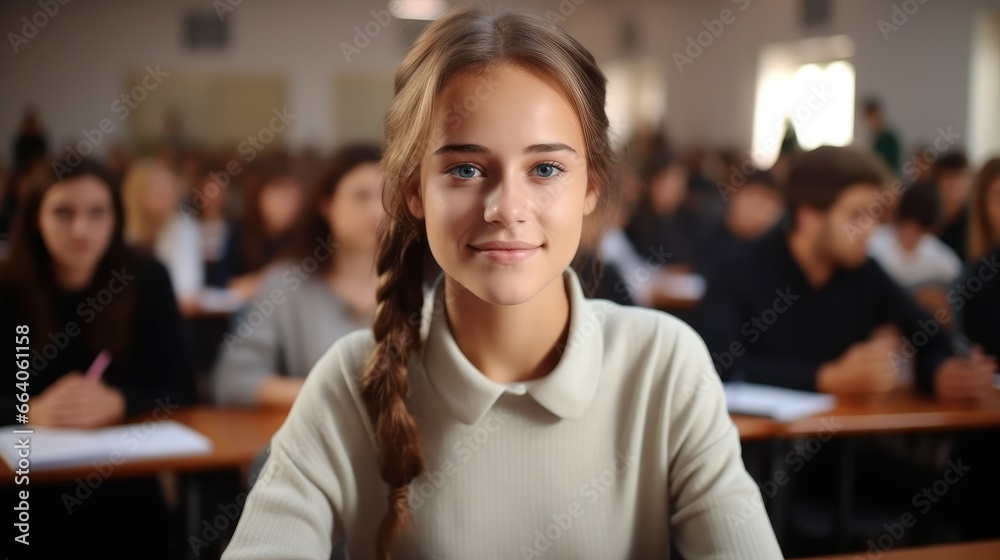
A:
[775,402]
[64,447]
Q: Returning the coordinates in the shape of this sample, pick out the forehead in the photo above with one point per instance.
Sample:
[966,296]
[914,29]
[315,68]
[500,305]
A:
[856,196]
[504,106]
[82,190]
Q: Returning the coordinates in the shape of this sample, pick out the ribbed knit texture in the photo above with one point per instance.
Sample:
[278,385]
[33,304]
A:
[626,445]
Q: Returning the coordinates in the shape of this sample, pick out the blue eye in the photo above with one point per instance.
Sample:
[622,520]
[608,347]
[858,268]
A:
[465,171]
[547,170]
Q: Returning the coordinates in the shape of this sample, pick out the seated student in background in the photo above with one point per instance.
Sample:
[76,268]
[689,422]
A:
[208,206]
[153,223]
[273,200]
[799,307]
[907,249]
[600,278]
[751,210]
[980,314]
[951,175]
[69,278]
[660,220]
[267,365]
[615,248]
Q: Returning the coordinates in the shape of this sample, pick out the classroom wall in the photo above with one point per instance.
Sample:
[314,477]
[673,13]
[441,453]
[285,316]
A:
[76,65]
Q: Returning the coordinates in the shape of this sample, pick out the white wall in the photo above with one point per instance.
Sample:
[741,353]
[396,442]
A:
[75,67]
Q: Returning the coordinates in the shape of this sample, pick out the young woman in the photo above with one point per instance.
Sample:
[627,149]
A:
[71,283]
[154,224]
[328,295]
[273,201]
[661,223]
[506,416]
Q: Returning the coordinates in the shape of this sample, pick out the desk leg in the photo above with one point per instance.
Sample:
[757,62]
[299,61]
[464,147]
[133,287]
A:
[211,511]
[845,501]
[191,505]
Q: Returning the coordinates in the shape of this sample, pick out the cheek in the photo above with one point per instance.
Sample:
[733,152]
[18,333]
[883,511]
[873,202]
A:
[52,233]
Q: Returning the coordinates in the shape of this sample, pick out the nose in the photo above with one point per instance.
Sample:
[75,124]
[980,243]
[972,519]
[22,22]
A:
[79,226]
[508,202]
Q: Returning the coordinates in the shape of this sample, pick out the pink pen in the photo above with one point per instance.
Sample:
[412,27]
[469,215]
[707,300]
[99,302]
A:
[97,368]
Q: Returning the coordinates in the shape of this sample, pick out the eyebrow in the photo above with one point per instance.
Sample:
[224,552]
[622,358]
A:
[478,149]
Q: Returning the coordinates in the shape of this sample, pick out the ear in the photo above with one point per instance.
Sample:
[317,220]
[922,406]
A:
[806,216]
[413,200]
[591,198]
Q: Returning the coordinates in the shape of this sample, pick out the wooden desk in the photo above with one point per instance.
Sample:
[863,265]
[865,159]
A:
[895,414]
[755,428]
[237,436]
[980,550]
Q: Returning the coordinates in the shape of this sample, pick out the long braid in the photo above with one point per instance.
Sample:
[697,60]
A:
[466,39]
[399,262]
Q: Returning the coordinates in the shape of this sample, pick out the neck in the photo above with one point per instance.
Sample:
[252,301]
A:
[354,264]
[510,343]
[813,265]
[73,279]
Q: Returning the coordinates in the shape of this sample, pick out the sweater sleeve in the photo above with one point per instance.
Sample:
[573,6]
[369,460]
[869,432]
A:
[250,352]
[293,511]
[716,509]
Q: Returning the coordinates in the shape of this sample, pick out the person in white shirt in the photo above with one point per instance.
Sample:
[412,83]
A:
[505,416]
[153,222]
[907,249]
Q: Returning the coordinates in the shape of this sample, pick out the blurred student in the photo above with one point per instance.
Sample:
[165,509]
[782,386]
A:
[326,291]
[980,314]
[803,306]
[615,249]
[600,277]
[907,249]
[272,202]
[154,224]
[660,223]
[208,206]
[74,289]
[885,142]
[751,210]
[951,174]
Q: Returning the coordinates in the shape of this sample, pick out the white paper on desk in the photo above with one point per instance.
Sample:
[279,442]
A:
[219,300]
[67,447]
[683,285]
[775,402]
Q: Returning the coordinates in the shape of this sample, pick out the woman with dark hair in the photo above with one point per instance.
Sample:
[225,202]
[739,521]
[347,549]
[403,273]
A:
[273,199]
[661,223]
[326,290]
[69,283]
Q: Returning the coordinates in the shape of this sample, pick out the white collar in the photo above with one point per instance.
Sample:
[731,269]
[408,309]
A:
[566,391]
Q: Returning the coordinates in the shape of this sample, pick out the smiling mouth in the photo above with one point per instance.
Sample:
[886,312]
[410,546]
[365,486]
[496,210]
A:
[506,253]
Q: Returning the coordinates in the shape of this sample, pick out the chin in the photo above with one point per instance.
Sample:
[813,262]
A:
[503,285]
[855,261]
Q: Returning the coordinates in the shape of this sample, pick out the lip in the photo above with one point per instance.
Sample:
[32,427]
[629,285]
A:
[506,252]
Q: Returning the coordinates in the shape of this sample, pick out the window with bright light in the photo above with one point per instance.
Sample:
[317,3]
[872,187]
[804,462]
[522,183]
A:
[816,98]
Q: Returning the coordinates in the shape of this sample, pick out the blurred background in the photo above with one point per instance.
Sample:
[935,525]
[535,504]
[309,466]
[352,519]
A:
[228,128]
